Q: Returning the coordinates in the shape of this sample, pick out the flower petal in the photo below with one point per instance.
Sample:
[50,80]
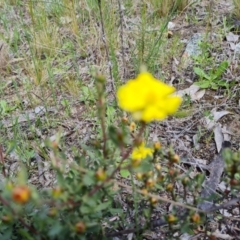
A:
[147,98]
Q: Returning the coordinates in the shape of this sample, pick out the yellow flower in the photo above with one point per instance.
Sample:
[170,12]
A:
[147,98]
[141,152]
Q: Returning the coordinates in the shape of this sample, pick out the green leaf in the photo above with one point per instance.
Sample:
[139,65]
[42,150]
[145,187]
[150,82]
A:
[103,206]
[182,114]
[114,135]
[85,209]
[221,69]
[223,83]
[24,233]
[201,73]
[199,178]
[88,179]
[55,229]
[214,86]
[114,211]
[90,202]
[7,233]
[124,173]
[203,84]
[159,187]
[145,165]
[110,111]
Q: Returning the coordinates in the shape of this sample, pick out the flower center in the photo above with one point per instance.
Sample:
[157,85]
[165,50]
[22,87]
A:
[151,98]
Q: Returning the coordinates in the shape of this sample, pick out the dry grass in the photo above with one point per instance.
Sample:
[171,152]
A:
[62,44]
[236,4]
[164,7]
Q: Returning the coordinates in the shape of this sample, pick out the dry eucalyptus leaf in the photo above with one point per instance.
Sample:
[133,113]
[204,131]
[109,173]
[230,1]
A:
[211,120]
[218,115]
[218,137]
[226,133]
[232,46]
[192,91]
[196,142]
[185,236]
[232,37]
[198,95]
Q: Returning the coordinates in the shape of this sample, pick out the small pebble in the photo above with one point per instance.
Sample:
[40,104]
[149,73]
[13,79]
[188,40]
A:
[40,110]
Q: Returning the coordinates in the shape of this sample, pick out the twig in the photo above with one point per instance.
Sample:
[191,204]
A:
[230,203]
[130,189]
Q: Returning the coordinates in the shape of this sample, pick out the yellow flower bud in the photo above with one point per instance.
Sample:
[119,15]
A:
[150,183]
[158,166]
[144,191]
[175,158]
[136,162]
[196,218]
[157,146]
[80,227]
[171,218]
[100,78]
[7,218]
[21,194]
[169,187]
[132,127]
[101,174]
[52,212]
[139,176]
[125,120]
[173,172]
[161,178]
[56,192]
[185,181]
[153,201]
